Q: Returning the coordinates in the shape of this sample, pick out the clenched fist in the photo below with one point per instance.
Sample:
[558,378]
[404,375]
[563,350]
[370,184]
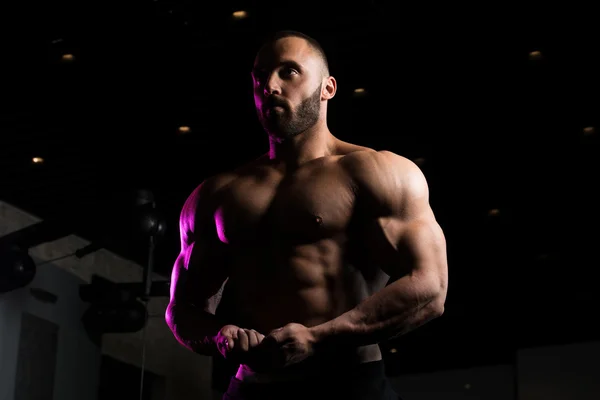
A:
[288,345]
[236,344]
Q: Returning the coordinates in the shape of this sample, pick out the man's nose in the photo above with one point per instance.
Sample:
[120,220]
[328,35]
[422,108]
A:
[272,86]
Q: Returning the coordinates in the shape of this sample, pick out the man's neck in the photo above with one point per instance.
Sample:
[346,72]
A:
[314,143]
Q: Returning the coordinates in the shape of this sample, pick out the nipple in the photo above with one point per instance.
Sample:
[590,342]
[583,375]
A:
[318,220]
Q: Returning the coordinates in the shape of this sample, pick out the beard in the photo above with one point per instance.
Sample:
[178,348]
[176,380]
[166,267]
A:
[287,123]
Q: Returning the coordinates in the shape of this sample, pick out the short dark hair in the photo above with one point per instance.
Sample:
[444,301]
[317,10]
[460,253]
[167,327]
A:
[313,43]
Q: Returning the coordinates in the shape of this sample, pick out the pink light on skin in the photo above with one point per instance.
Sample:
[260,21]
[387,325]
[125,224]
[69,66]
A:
[220,225]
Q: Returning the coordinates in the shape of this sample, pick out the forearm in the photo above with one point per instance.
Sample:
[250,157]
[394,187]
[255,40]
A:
[194,328]
[395,310]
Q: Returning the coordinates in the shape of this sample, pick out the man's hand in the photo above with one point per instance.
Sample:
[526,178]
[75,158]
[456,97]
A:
[288,345]
[235,343]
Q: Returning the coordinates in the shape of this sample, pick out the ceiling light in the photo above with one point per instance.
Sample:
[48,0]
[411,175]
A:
[240,14]
[393,350]
[184,129]
[494,212]
[37,160]
[535,55]
[68,57]
[589,130]
[359,90]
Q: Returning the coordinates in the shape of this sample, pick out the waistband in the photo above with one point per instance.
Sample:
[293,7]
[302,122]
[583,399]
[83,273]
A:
[366,370]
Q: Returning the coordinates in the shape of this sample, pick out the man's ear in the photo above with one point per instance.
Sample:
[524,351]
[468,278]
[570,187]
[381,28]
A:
[329,88]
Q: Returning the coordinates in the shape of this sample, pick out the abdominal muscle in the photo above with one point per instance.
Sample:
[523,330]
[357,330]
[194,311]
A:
[311,287]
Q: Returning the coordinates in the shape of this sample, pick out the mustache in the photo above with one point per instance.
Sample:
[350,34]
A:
[273,101]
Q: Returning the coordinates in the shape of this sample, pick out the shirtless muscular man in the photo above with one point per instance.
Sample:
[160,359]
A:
[326,247]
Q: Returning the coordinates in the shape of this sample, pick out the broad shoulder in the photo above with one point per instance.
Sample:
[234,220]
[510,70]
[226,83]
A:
[391,181]
[345,148]
[371,161]
[201,202]
[204,199]
[206,191]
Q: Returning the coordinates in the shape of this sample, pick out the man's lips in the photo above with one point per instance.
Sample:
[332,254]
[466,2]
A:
[275,107]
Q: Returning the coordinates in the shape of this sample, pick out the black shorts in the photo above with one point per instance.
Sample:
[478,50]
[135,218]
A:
[366,381]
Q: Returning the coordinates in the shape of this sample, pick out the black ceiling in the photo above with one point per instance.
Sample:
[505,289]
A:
[497,128]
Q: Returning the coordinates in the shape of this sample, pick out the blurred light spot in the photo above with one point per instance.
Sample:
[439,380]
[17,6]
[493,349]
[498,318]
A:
[494,212]
[240,14]
[535,55]
[589,131]
[68,57]
[37,160]
[184,129]
[393,350]
[420,161]
[359,90]
[468,386]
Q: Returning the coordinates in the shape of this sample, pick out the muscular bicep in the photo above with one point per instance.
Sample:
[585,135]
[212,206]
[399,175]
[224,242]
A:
[406,247]
[421,248]
[199,275]
[202,267]
[402,233]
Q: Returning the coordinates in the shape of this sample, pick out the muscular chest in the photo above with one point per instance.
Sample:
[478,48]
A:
[306,206]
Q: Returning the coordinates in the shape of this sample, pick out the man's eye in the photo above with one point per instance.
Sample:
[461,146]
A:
[290,71]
